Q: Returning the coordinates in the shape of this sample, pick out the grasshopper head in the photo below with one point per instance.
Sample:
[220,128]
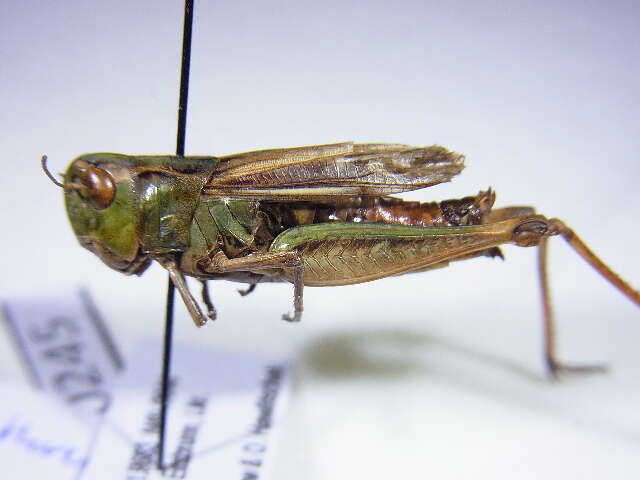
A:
[99,196]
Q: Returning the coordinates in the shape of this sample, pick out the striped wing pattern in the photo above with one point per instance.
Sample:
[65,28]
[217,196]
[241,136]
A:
[336,169]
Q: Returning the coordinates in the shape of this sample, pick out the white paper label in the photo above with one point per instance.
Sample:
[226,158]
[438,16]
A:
[224,409]
[66,348]
[40,437]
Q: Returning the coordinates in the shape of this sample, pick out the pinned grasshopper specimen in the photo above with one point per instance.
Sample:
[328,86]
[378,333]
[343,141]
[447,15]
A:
[312,216]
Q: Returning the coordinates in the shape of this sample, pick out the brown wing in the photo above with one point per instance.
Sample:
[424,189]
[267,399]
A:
[343,169]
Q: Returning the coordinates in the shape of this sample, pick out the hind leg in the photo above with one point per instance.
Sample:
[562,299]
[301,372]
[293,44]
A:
[557,227]
[554,367]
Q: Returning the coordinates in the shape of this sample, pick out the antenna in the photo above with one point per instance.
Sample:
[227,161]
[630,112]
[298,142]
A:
[43,164]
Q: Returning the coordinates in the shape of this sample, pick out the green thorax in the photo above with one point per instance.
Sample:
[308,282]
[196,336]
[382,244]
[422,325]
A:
[154,204]
[224,222]
[219,224]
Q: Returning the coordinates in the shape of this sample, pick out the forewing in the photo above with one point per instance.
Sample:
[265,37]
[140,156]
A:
[342,169]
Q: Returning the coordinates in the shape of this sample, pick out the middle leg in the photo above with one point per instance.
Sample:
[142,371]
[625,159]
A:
[286,260]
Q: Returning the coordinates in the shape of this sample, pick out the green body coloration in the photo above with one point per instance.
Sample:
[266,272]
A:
[318,216]
[346,253]
[112,226]
[297,236]
[161,209]
[152,210]
[218,223]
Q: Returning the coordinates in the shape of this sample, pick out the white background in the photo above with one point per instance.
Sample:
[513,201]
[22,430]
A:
[437,374]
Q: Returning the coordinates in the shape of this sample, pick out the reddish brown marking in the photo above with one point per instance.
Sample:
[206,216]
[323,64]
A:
[465,211]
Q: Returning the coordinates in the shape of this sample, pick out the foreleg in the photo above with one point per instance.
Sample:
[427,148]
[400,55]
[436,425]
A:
[178,280]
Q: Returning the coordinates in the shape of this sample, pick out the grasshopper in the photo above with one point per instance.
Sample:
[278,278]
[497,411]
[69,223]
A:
[318,215]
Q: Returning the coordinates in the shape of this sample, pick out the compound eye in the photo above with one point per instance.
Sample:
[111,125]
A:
[93,184]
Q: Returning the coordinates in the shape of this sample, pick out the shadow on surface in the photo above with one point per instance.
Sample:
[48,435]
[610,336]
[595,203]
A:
[389,355]
[392,353]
